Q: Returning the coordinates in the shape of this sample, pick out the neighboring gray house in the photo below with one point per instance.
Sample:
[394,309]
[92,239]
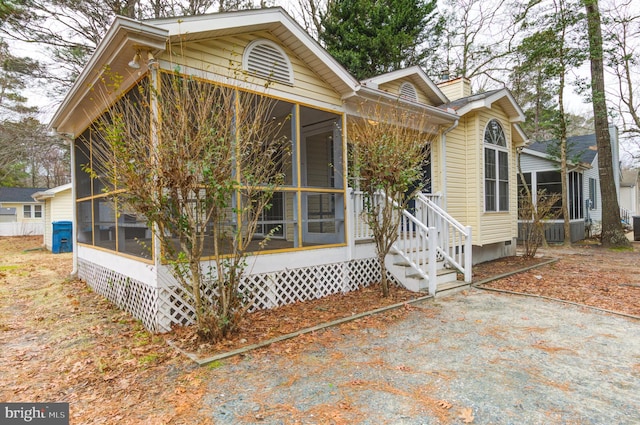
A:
[542,171]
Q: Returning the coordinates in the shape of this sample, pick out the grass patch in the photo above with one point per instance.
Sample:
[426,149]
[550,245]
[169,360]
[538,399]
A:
[8,268]
[148,359]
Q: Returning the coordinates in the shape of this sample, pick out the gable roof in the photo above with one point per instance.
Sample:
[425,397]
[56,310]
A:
[274,20]
[18,194]
[126,36]
[51,193]
[415,75]
[501,97]
[584,148]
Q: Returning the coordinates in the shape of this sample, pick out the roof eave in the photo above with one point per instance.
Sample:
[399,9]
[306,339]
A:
[205,26]
[364,93]
[124,34]
[515,114]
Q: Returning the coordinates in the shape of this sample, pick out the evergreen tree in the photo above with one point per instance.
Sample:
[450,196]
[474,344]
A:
[371,37]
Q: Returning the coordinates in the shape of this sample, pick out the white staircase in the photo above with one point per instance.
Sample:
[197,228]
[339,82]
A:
[431,249]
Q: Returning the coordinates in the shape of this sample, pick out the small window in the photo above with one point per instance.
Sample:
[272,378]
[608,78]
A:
[593,194]
[408,92]
[26,211]
[496,168]
[37,211]
[267,60]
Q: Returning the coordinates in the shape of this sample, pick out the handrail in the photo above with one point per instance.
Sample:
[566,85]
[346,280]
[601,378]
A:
[417,246]
[454,239]
[424,233]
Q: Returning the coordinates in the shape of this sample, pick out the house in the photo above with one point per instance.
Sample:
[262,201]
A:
[322,244]
[21,214]
[542,171]
[629,196]
[58,206]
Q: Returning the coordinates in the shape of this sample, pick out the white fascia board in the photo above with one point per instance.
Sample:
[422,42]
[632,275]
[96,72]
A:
[41,196]
[367,93]
[518,129]
[189,27]
[415,70]
[122,31]
[488,102]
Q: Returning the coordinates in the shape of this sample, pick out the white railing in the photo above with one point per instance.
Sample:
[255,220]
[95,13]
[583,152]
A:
[417,246]
[451,240]
[625,216]
[454,239]
[361,229]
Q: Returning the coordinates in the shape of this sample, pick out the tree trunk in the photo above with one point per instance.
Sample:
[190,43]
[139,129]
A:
[563,163]
[612,234]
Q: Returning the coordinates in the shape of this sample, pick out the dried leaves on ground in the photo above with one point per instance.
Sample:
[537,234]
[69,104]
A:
[585,274]
[62,342]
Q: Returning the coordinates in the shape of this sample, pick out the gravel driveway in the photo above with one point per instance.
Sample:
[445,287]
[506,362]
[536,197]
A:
[475,357]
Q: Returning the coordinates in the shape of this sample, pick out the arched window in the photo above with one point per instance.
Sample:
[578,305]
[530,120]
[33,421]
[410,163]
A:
[267,60]
[496,168]
[408,92]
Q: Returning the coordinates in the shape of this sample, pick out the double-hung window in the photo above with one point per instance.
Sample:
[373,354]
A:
[496,168]
[35,212]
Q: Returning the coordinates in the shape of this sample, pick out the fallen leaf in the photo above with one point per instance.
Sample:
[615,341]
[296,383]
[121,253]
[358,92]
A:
[466,415]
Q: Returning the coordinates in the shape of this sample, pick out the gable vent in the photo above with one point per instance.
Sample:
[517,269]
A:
[267,60]
[408,92]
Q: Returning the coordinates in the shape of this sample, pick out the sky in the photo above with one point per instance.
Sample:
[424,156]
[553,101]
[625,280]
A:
[37,95]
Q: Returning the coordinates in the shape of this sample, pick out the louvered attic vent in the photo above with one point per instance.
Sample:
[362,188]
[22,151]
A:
[408,92]
[267,60]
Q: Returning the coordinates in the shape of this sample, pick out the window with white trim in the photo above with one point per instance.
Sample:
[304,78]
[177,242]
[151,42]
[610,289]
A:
[35,212]
[267,60]
[496,168]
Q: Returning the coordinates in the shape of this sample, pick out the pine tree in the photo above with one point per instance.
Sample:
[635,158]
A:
[371,37]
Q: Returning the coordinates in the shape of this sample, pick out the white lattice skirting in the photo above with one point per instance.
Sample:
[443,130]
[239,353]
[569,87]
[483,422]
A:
[159,308]
[138,298]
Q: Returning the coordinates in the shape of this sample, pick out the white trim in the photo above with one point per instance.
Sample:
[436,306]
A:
[408,91]
[413,71]
[497,148]
[286,62]
[487,102]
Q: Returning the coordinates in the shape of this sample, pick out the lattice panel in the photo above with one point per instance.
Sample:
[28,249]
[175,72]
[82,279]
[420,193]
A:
[175,307]
[137,298]
[159,309]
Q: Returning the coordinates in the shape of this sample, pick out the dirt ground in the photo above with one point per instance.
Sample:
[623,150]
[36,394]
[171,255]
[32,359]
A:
[61,342]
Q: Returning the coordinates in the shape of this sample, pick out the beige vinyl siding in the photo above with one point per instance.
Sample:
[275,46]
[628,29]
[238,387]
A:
[58,208]
[223,56]
[462,183]
[48,227]
[62,206]
[20,211]
[455,89]
[497,226]
[393,87]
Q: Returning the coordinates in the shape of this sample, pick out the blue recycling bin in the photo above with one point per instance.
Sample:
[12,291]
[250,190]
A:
[61,237]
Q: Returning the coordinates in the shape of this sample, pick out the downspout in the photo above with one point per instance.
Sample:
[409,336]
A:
[70,140]
[443,146]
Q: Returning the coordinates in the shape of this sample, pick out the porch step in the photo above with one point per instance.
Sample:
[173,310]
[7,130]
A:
[451,288]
